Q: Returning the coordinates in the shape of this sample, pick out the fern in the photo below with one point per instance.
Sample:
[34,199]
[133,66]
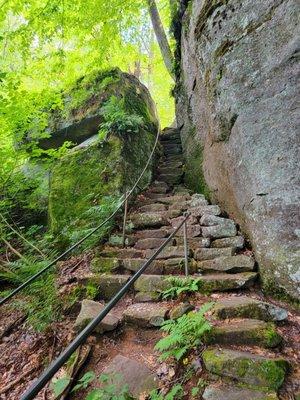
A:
[184,334]
[181,285]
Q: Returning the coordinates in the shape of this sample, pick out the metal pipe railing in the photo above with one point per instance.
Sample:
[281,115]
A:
[40,383]
[70,249]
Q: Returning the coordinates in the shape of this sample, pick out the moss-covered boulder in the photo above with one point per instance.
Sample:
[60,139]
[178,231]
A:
[111,119]
[247,368]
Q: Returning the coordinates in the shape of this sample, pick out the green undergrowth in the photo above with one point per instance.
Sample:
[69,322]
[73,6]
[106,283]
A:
[181,286]
[184,334]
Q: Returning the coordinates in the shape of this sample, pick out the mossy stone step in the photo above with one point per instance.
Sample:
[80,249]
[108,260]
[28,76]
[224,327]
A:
[250,332]
[203,254]
[134,264]
[225,263]
[246,307]
[237,242]
[168,252]
[216,227]
[149,220]
[152,208]
[117,240]
[151,233]
[194,243]
[173,199]
[202,209]
[109,285]
[251,369]
[121,253]
[149,243]
[226,392]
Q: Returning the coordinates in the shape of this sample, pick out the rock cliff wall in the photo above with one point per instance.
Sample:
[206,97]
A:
[236,100]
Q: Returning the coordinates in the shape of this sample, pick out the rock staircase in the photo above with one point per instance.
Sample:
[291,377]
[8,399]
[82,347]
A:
[217,257]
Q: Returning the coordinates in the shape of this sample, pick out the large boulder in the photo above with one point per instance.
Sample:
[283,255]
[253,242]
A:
[236,106]
[87,181]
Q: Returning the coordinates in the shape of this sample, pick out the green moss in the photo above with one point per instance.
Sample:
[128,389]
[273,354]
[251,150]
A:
[271,337]
[105,265]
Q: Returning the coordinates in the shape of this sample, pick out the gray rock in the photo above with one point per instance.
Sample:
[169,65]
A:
[123,371]
[151,283]
[201,210]
[209,254]
[89,310]
[246,307]
[194,243]
[235,393]
[247,368]
[146,315]
[168,252]
[238,263]
[144,297]
[237,242]
[150,243]
[151,233]
[237,109]
[156,207]
[117,240]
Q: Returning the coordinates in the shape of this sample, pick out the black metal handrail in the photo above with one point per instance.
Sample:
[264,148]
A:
[70,249]
[40,383]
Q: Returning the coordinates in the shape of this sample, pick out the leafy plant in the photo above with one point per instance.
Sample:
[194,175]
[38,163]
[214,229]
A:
[117,119]
[181,285]
[176,393]
[184,334]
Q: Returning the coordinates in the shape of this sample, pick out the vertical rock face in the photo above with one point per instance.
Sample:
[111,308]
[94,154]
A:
[236,106]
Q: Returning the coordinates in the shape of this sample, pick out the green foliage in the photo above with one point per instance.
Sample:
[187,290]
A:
[176,393]
[117,120]
[180,286]
[107,391]
[184,334]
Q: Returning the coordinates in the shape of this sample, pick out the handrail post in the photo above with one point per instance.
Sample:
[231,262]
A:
[124,220]
[186,249]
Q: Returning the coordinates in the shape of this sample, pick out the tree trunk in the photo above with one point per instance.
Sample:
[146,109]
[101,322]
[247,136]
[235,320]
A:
[161,37]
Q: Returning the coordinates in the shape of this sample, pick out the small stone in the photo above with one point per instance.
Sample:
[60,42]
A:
[235,393]
[246,307]
[105,264]
[134,264]
[156,207]
[147,220]
[198,199]
[151,283]
[146,315]
[208,254]
[123,371]
[91,309]
[217,227]
[149,243]
[250,332]
[238,263]
[237,242]
[181,309]
[109,285]
[268,373]
[224,282]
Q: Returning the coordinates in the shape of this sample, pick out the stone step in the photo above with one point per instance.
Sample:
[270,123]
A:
[151,233]
[170,167]
[168,252]
[125,372]
[152,208]
[146,315]
[217,227]
[121,253]
[173,199]
[251,369]
[116,240]
[246,307]
[108,285]
[227,392]
[172,158]
[172,150]
[194,242]
[169,134]
[171,179]
[238,263]
[181,190]
[150,243]
[248,332]
[88,311]
[134,264]
[210,254]
[149,220]
[237,242]
[209,283]
[200,210]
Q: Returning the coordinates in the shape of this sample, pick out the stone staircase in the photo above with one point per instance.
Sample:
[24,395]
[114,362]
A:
[217,257]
